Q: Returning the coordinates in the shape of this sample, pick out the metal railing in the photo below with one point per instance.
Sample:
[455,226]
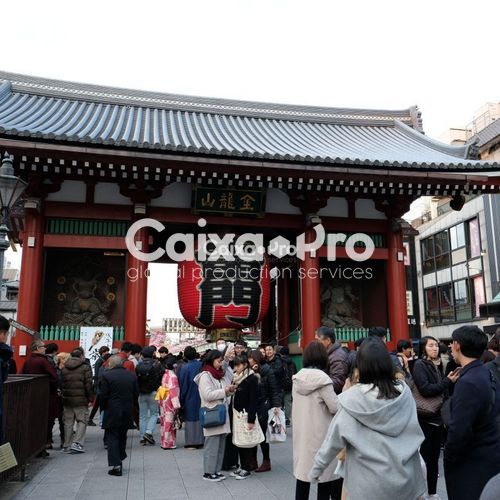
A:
[72,332]
[344,334]
[26,411]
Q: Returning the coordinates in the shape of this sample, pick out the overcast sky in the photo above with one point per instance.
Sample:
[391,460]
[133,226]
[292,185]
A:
[440,55]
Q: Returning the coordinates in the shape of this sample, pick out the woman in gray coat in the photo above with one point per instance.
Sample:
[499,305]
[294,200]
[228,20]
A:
[378,427]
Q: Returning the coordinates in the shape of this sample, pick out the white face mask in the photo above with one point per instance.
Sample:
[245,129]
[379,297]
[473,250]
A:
[221,347]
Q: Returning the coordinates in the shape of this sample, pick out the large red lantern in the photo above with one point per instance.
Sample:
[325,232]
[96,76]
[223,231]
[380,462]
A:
[223,293]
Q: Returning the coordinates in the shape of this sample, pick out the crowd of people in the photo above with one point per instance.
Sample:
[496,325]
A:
[367,423]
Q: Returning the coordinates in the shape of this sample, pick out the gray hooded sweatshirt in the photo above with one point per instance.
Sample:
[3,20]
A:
[382,438]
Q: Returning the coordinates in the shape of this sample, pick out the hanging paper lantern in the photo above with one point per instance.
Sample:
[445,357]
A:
[222,293]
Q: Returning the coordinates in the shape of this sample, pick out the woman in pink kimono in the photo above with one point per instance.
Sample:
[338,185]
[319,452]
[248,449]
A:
[168,408]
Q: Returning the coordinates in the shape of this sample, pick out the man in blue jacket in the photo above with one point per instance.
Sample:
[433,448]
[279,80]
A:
[472,451]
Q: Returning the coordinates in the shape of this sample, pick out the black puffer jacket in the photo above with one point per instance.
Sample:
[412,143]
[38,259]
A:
[76,383]
[246,397]
[269,392]
[278,367]
[430,381]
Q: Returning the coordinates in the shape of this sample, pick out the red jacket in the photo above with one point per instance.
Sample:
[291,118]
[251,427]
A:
[38,364]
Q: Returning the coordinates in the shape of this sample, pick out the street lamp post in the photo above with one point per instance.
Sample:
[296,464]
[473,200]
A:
[11,188]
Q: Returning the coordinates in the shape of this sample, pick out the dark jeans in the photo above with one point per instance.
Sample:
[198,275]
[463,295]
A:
[246,458]
[230,454]
[430,450]
[326,491]
[116,440]
[95,407]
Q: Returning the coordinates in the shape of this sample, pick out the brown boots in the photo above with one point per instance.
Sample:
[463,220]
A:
[265,467]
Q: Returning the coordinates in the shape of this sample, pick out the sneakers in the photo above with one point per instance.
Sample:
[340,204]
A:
[215,478]
[243,474]
[65,449]
[239,474]
[222,476]
[142,441]
[77,448]
[149,438]
[235,473]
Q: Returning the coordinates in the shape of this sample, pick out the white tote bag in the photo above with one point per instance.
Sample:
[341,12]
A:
[276,427]
[243,437]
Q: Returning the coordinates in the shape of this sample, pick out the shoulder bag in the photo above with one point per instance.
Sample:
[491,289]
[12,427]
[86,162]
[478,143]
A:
[213,417]
[426,407]
[243,437]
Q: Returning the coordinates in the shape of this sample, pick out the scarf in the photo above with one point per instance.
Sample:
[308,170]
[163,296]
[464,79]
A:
[239,377]
[216,374]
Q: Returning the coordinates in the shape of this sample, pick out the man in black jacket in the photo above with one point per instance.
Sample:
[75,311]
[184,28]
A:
[472,451]
[149,373]
[119,390]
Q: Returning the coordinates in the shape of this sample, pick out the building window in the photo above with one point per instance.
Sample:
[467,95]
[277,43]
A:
[457,301]
[474,238]
[463,306]
[436,252]
[446,303]
[442,250]
[431,306]
[428,255]
[479,297]
[457,236]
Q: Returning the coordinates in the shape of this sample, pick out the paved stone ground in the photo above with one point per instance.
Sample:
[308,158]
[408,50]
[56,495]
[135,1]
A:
[151,473]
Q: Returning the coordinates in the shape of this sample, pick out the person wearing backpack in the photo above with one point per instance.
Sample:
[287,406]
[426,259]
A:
[149,373]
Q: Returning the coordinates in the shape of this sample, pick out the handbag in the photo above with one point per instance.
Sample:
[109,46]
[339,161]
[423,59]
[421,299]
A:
[213,417]
[426,407]
[276,427]
[177,425]
[243,437]
[161,393]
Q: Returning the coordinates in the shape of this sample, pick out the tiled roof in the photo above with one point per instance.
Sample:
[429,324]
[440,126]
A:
[78,113]
[487,134]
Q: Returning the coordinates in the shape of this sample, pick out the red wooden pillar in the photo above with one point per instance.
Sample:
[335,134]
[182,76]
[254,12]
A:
[30,282]
[309,293]
[283,307]
[396,288]
[137,293]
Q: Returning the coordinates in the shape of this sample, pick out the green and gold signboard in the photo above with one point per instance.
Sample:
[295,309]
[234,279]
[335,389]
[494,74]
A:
[228,201]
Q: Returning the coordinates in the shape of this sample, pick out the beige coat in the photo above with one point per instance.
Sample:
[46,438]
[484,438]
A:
[314,405]
[212,393]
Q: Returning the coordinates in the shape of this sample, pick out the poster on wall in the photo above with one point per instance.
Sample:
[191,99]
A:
[92,338]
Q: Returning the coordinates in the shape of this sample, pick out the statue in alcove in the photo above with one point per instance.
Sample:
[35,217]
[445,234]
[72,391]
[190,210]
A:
[86,293]
[339,305]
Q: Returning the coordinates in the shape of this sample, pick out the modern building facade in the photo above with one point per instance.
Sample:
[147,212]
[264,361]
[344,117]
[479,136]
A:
[458,253]
[457,266]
